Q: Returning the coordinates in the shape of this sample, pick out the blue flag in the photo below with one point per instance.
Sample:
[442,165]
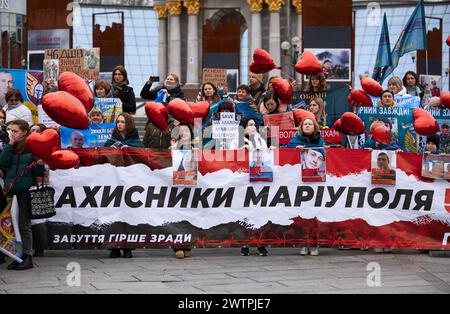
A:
[412,38]
[384,58]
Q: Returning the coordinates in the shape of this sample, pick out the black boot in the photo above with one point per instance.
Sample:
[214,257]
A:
[13,265]
[38,253]
[127,253]
[26,264]
[115,253]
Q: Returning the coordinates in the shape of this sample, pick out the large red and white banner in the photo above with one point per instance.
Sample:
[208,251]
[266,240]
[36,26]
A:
[125,198]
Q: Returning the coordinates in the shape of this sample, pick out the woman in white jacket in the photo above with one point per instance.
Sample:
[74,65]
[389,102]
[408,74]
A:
[248,137]
[15,109]
[395,85]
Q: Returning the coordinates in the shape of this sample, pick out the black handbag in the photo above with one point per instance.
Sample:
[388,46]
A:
[42,201]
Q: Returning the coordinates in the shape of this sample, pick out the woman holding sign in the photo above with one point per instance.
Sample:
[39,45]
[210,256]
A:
[15,159]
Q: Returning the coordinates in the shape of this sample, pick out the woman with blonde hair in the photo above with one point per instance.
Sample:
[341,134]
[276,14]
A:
[96,116]
[395,85]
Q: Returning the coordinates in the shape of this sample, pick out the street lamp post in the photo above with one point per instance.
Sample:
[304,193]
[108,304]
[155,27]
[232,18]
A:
[294,44]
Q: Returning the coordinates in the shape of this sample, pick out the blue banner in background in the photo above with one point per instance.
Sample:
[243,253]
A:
[95,136]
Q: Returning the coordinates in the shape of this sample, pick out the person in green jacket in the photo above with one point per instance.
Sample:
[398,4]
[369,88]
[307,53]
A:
[14,159]
[125,133]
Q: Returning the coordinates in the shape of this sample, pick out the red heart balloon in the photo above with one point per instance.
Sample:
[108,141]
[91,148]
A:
[43,145]
[301,114]
[283,89]
[448,41]
[200,109]
[76,86]
[63,159]
[338,125]
[181,111]
[381,134]
[262,62]
[445,99]
[158,115]
[308,64]
[361,98]
[351,124]
[371,87]
[66,110]
[424,123]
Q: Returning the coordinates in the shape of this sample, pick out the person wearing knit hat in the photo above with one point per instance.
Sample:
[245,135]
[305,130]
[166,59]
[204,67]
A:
[433,103]
[257,88]
[433,143]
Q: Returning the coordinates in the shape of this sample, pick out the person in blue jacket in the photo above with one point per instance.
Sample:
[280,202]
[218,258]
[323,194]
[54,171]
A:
[125,133]
[308,135]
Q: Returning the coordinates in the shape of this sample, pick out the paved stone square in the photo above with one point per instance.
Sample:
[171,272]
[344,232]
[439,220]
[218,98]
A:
[224,271]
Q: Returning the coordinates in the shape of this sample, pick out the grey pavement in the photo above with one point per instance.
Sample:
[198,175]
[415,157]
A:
[224,271]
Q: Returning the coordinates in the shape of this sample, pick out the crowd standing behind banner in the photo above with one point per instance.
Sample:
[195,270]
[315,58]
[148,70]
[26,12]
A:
[252,103]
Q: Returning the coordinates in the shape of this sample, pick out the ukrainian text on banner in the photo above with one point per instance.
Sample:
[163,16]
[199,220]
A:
[401,123]
[95,136]
[125,198]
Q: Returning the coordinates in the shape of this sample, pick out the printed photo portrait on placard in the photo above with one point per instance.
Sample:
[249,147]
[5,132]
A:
[185,167]
[384,164]
[261,165]
[313,165]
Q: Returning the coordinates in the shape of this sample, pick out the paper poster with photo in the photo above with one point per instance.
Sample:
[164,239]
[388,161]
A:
[435,166]
[281,127]
[30,85]
[216,76]
[95,136]
[442,138]
[232,81]
[262,165]
[336,63]
[83,62]
[432,85]
[51,75]
[313,165]
[225,125]
[384,164]
[185,167]
[111,108]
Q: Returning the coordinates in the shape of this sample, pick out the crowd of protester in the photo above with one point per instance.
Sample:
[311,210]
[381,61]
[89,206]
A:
[252,102]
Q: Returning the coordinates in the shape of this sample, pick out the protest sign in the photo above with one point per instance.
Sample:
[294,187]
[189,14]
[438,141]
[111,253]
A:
[95,136]
[83,62]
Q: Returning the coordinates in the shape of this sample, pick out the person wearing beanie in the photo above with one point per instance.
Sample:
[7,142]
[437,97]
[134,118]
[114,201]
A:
[433,143]
[256,88]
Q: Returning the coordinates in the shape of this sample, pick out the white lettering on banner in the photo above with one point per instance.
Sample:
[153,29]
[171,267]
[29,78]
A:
[266,197]
[122,238]
[446,237]
[225,196]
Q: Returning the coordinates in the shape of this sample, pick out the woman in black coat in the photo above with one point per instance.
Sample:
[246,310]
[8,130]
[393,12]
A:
[121,90]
